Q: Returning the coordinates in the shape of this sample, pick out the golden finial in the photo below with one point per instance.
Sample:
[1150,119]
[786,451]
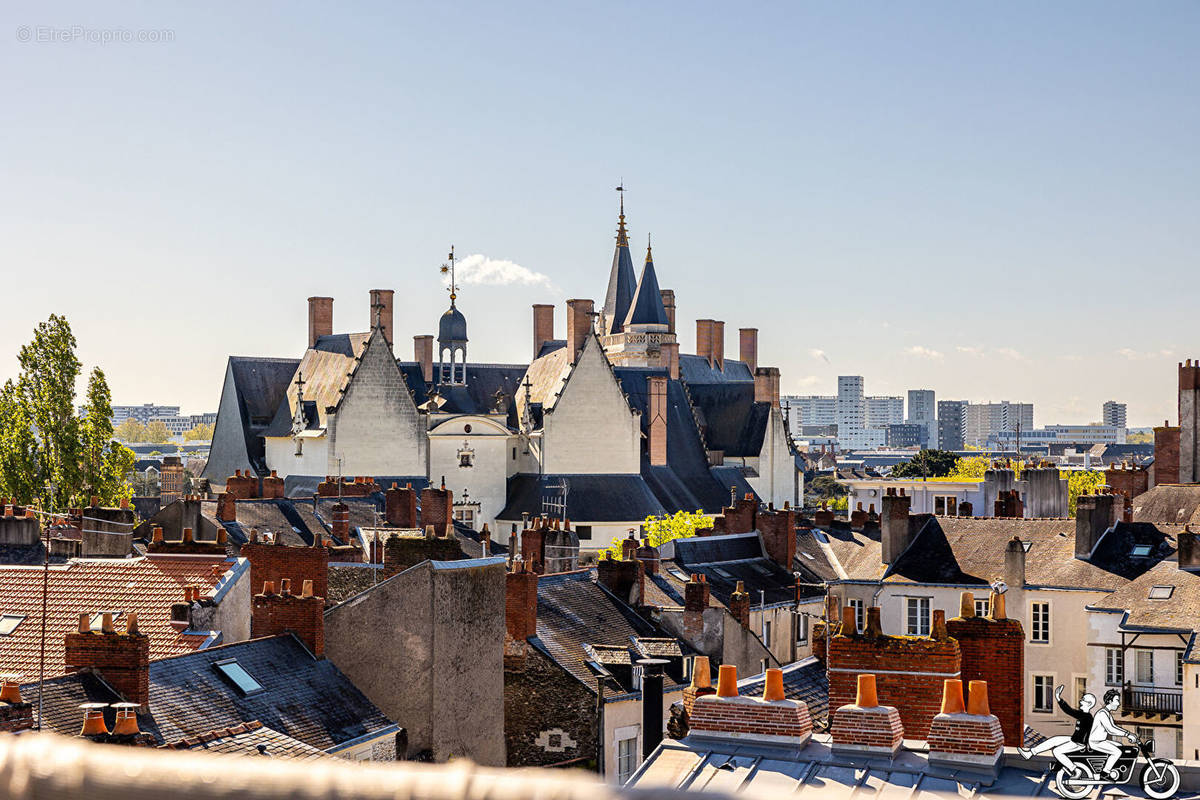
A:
[449,268]
[622,236]
[649,257]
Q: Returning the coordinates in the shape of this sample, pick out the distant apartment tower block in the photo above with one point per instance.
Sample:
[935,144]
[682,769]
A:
[1114,414]
[985,420]
[951,417]
[922,410]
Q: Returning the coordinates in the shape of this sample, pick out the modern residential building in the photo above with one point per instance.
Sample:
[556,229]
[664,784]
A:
[1070,434]
[143,413]
[951,416]
[885,410]
[983,420]
[811,410]
[922,410]
[906,434]
[178,424]
[1113,414]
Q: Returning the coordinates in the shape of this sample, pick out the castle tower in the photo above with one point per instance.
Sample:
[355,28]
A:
[452,336]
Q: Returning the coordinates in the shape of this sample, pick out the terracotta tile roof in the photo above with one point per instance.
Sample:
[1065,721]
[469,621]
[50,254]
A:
[248,739]
[147,585]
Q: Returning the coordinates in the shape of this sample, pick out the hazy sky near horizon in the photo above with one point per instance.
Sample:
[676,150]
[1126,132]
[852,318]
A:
[996,201]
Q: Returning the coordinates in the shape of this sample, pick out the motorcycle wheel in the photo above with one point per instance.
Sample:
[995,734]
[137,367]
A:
[1066,787]
[1166,785]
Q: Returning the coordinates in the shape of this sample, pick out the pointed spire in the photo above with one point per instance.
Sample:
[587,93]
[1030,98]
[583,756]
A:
[621,280]
[647,308]
[622,234]
[649,254]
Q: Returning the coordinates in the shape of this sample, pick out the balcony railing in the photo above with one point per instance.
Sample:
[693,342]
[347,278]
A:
[1150,701]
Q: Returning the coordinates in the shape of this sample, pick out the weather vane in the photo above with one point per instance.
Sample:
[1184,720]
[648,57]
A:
[449,268]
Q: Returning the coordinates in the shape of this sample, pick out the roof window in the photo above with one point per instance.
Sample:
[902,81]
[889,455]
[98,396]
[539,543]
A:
[1161,592]
[9,623]
[236,674]
[1140,550]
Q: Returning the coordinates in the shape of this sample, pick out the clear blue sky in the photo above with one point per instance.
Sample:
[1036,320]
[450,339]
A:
[998,201]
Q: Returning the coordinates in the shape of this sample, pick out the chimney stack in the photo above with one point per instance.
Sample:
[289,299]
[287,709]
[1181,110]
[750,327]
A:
[668,301]
[381,312]
[1093,517]
[579,322]
[520,604]
[748,347]
[670,359]
[704,340]
[1189,429]
[423,355]
[771,719]
[966,734]
[543,326]
[302,615]
[226,507]
[766,385]
[652,703]
[718,344]
[121,659]
[866,727]
[656,389]
[893,525]
[320,318]
[340,514]
[1188,549]
[400,506]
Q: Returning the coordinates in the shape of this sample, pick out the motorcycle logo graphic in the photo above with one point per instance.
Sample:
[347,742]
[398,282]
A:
[1089,758]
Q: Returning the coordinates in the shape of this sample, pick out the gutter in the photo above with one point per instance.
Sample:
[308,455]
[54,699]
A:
[366,737]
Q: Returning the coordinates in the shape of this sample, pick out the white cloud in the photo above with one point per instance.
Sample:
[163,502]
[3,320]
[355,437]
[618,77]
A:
[1135,355]
[1009,353]
[479,270]
[819,354]
[971,351]
[918,351]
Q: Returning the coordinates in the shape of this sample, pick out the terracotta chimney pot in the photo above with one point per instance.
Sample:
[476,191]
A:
[773,690]
[849,621]
[701,673]
[93,722]
[997,606]
[106,622]
[268,587]
[727,681]
[952,697]
[306,589]
[977,702]
[868,696]
[966,605]
[126,724]
[285,586]
[10,692]
[85,623]
[131,626]
[156,535]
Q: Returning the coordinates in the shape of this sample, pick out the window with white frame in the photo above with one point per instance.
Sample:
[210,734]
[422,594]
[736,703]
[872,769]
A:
[1039,623]
[857,605]
[626,758]
[1144,667]
[982,608]
[1114,666]
[1043,693]
[917,614]
[801,629]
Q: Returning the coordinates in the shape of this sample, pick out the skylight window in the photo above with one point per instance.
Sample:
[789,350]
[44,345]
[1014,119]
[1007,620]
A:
[724,573]
[236,674]
[9,623]
[760,569]
[1141,550]
[678,573]
[1026,545]
[807,555]
[1161,592]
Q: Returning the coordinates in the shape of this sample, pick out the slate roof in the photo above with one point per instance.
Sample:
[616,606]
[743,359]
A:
[260,385]
[802,680]
[621,286]
[305,486]
[572,611]
[303,697]
[646,308]
[1178,612]
[590,498]
[325,368]
[146,585]
[1168,503]
[725,560]
[291,521]
[248,739]
[62,697]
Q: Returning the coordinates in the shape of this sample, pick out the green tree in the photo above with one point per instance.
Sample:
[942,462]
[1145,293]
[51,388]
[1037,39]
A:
[660,530]
[1140,438]
[156,432]
[926,463]
[972,468]
[18,448]
[130,431]
[105,462]
[826,487]
[1081,482]
[202,432]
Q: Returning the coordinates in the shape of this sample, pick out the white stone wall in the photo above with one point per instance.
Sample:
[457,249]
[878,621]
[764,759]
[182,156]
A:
[377,429]
[485,481]
[778,480]
[313,458]
[591,429]
[623,720]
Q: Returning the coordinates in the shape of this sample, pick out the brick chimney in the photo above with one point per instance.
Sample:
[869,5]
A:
[1188,549]
[670,359]
[121,659]
[226,507]
[695,602]
[381,305]
[1189,429]
[778,530]
[579,322]
[701,684]
[969,735]
[1093,516]
[668,301]
[339,522]
[400,506]
[739,604]
[272,487]
[625,578]
[894,525]
[648,555]
[320,318]
[656,408]
[704,340]
[275,561]
[423,355]
[302,615]
[770,719]
[748,348]
[866,727]
[993,650]
[520,604]
[15,713]
[543,326]
[766,385]
[718,344]
[437,508]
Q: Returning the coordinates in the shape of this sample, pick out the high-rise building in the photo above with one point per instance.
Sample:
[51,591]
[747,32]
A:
[922,410]
[984,420]
[852,414]
[950,419]
[1114,414]
[885,410]
[810,410]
